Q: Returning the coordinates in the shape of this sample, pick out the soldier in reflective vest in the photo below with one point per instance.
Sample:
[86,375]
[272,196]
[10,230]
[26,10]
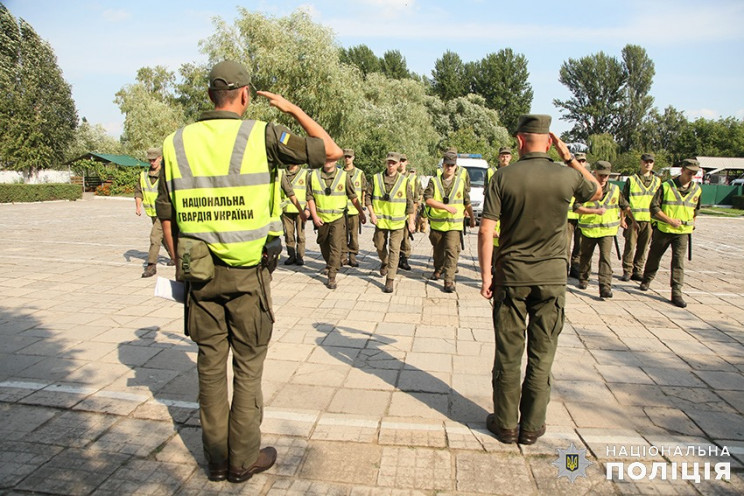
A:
[219,188]
[573,234]
[328,191]
[294,202]
[639,190]
[145,194]
[505,156]
[599,222]
[405,247]
[675,205]
[390,205]
[353,227]
[447,197]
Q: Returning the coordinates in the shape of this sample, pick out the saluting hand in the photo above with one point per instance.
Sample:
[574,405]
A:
[560,147]
[277,101]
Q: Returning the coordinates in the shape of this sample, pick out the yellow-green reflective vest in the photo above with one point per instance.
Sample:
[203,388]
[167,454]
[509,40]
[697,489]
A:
[571,214]
[679,207]
[497,230]
[299,185]
[440,219]
[356,180]
[330,201]
[390,208]
[490,173]
[607,224]
[641,196]
[149,193]
[221,187]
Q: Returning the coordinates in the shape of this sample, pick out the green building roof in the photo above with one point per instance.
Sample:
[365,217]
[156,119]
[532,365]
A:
[123,160]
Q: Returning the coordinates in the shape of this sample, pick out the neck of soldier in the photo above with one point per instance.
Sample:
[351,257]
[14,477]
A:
[685,178]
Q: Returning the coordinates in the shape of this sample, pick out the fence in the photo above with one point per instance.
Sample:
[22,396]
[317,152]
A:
[713,194]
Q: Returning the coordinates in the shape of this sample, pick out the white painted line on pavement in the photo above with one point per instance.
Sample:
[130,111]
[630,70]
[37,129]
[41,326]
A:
[290,415]
[348,422]
[410,427]
[23,385]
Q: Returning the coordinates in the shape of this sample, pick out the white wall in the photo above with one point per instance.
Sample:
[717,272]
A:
[39,177]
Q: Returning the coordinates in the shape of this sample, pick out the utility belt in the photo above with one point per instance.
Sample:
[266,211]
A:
[196,261]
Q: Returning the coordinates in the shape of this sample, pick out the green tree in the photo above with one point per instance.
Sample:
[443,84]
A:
[597,83]
[502,79]
[602,147]
[636,102]
[92,138]
[190,93]
[37,112]
[393,65]
[449,79]
[665,133]
[362,57]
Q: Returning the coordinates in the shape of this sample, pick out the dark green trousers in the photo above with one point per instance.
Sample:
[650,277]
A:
[294,234]
[446,248]
[387,243]
[352,236]
[660,241]
[331,238]
[573,235]
[542,308]
[636,240]
[604,274]
[232,311]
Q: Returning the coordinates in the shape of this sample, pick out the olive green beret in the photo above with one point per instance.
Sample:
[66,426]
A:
[228,75]
[533,123]
[393,156]
[691,164]
[504,149]
[603,168]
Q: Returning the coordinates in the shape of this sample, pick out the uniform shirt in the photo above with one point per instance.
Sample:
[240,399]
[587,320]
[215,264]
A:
[293,150]
[531,199]
[659,196]
[389,182]
[328,178]
[622,203]
[287,188]
[152,176]
[447,186]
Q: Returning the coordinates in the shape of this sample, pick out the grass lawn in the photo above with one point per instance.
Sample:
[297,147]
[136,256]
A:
[722,212]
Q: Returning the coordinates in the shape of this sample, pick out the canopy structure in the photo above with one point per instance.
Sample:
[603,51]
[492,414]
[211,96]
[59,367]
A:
[122,160]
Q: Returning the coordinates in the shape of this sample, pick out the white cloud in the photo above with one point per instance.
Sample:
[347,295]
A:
[112,15]
[114,128]
[704,113]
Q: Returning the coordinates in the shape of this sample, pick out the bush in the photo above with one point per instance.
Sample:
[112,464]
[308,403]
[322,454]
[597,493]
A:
[17,193]
[737,202]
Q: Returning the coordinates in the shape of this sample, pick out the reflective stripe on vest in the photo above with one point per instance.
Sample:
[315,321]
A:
[641,196]
[329,206]
[219,180]
[679,207]
[607,224]
[440,219]
[571,214]
[149,193]
[391,213]
[356,180]
[299,185]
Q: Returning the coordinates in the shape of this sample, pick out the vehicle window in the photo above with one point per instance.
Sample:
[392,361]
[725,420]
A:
[477,176]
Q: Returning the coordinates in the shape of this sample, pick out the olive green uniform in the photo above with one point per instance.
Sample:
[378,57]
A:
[332,235]
[156,231]
[232,311]
[413,182]
[573,238]
[446,244]
[388,242]
[637,237]
[351,247]
[531,199]
[660,241]
[604,274]
[294,227]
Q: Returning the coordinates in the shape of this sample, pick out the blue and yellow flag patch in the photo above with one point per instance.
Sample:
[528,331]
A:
[284,139]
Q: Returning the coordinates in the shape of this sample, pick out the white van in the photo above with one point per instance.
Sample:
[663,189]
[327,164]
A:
[477,169]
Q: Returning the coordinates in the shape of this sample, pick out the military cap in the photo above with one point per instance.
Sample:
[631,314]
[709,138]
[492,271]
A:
[691,164]
[603,168]
[228,75]
[348,152]
[393,156]
[647,157]
[451,149]
[403,157]
[449,158]
[504,150]
[580,156]
[153,153]
[533,123]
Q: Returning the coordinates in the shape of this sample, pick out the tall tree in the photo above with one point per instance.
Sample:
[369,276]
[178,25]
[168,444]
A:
[449,79]
[393,65]
[502,79]
[636,101]
[602,147]
[92,138]
[38,114]
[362,57]
[597,83]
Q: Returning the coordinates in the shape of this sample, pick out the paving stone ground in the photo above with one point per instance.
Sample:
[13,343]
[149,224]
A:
[366,393]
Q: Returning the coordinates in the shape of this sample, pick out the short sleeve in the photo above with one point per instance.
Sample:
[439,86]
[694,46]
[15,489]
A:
[284,147]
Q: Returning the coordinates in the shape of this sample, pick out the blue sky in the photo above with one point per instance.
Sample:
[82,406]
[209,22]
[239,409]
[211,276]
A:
[696,46]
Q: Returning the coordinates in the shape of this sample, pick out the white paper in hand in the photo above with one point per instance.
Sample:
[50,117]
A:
[170,290]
